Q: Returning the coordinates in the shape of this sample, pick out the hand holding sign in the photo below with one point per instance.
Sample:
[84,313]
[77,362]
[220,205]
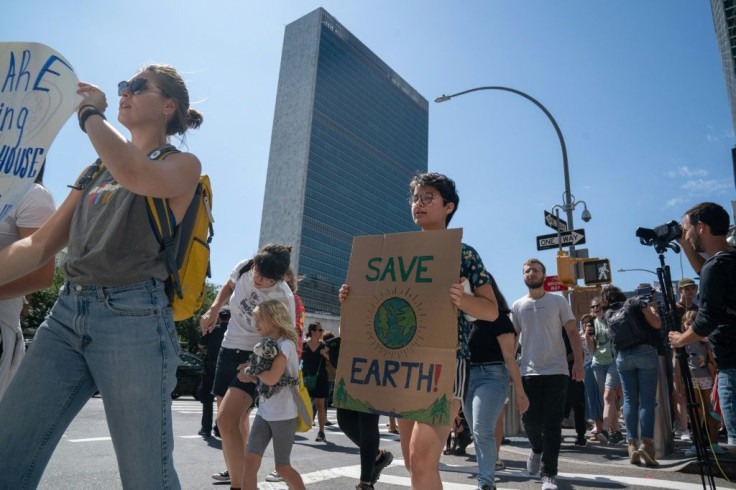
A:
[36,98]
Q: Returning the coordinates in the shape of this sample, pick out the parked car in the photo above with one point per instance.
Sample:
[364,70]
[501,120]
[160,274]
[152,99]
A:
[188,375]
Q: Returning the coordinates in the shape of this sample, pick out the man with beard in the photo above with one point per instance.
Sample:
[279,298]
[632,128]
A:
[539,318]
[704,229]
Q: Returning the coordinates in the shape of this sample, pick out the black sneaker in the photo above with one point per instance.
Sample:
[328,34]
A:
[320,437]
[204,433]
[216,431]
[383,461]
[223,476]
[581,441]
[616,437]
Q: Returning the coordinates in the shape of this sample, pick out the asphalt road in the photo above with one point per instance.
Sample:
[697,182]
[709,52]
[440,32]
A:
[85,459]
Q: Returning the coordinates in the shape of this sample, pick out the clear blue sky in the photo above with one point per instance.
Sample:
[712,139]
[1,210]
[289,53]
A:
[636,87]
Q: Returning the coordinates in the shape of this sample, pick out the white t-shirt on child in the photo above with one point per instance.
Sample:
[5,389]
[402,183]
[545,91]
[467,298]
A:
[281,405]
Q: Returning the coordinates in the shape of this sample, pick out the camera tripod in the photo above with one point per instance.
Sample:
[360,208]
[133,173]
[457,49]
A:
[698,429]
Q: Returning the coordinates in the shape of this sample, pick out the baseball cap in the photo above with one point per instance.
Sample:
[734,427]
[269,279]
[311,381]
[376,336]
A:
[684,282]
[224,312]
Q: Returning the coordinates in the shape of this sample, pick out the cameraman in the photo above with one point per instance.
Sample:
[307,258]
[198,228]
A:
[704,228]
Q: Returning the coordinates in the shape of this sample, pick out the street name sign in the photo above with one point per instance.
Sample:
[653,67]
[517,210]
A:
[573,237]
[554,222]
[552,284]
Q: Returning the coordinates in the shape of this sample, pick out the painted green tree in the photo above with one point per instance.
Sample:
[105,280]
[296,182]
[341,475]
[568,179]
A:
[341,395]
[439,409]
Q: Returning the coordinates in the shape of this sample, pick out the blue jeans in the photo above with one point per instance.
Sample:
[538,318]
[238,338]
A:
[638,369]
[488,388]
[727,398]
[119,340]
[593,398]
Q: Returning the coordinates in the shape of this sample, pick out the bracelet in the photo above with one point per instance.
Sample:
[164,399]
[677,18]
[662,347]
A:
[85,115]
[81,109]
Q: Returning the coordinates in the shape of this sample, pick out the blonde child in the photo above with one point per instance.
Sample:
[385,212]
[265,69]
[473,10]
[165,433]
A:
[702,371]
[277,415]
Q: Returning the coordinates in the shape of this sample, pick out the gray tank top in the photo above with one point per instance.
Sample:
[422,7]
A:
[111,242]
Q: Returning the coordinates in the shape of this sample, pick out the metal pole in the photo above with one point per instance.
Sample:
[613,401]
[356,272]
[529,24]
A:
[567,196]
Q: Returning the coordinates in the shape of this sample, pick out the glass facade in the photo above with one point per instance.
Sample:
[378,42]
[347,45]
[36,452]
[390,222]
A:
[368,136]
[724,22]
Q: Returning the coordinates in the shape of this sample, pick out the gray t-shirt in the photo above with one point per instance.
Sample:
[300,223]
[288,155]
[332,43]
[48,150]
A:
[539,323]
[111,242]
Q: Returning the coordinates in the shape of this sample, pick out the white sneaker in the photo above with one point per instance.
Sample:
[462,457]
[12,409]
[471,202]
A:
[549,482]
[500,465]
[685,436]
[533,463]
[274,476]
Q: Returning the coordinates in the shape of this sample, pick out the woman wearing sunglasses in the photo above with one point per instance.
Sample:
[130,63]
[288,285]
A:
[111,329]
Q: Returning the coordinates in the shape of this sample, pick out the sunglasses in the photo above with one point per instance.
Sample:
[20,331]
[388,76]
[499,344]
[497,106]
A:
[135,86]
[594,307]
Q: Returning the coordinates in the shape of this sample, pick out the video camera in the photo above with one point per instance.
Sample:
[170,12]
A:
[660,236]
[645,295]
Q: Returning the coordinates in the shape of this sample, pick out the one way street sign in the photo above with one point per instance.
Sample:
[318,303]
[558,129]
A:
[574,237]
[554,222]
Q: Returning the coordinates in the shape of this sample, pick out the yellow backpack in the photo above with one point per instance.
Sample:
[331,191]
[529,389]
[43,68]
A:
[186,246]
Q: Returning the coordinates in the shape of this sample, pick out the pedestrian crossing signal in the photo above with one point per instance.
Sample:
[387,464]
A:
[565,269]
[596,272]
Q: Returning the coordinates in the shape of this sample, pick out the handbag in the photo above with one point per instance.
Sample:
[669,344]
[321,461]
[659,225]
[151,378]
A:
[310,381]
[304,414]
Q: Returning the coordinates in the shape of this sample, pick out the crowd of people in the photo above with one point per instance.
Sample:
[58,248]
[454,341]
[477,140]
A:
[112,331]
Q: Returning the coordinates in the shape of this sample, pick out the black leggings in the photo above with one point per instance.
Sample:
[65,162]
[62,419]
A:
[362,429]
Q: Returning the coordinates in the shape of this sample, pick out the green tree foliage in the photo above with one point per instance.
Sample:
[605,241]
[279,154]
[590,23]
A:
[40,304]
[188,330]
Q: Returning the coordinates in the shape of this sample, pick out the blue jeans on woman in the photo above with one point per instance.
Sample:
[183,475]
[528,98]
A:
[638,369]
[727,399]
[119,340]
[488,388]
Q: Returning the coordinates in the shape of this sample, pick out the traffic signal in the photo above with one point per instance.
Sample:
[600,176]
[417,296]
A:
[596,272]
[565,269]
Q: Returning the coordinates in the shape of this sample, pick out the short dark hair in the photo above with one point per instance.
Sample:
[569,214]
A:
[444,184]
[712,215]
[273,261]
[610,296]
[534,261]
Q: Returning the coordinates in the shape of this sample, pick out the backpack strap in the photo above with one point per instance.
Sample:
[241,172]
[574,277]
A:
[163,222]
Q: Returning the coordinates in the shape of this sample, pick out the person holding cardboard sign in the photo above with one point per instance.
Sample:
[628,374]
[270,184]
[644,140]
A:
[112,329]
[434,201]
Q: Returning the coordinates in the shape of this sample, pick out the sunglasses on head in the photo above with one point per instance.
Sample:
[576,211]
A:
[136,86]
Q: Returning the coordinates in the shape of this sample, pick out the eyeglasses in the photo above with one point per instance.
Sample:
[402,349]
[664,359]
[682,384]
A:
[135,86]
[595,307]
[425,197]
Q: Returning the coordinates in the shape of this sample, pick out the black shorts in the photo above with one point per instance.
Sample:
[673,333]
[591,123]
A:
[226,374]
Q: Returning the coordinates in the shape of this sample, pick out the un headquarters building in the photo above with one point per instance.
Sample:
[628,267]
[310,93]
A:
[348,135]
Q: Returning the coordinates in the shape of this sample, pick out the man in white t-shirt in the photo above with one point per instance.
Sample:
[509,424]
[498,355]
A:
[32,211]
[539,318]
[251,282]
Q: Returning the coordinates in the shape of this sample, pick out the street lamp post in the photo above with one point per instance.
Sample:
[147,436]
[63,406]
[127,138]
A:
[569,202]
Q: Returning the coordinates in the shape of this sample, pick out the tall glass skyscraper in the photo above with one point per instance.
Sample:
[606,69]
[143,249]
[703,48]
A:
[348,134]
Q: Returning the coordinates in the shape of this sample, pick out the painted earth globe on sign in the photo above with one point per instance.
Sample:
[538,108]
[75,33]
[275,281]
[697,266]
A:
[395,323]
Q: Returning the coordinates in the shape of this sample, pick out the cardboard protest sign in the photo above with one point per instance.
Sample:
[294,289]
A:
[37,96]
[398,326]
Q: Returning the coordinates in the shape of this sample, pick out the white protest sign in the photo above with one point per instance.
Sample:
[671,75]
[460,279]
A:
[37,95]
